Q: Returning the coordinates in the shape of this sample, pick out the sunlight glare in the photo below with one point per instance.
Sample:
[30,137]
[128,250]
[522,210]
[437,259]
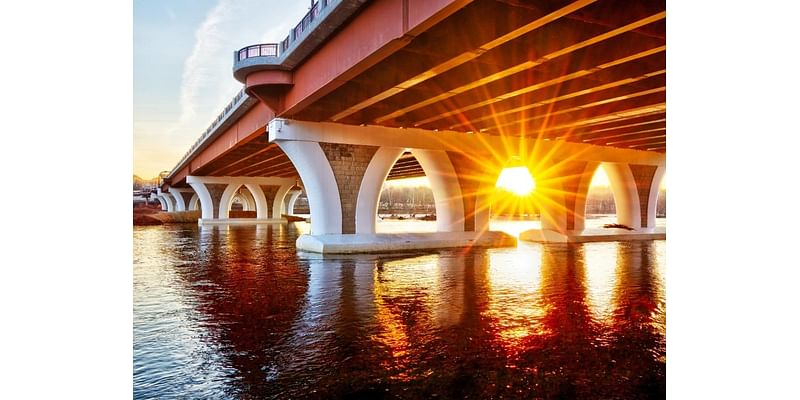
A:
[517,180]
[600,178]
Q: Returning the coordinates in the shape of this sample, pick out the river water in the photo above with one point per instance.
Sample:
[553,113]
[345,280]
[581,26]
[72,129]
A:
[235,312]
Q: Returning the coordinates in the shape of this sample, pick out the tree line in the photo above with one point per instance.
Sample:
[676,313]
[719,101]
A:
[419,200]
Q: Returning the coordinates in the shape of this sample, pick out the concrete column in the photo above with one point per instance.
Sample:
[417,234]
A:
[635,189]
[576,176]
[256,198]
[170,201]
[181,197]
[278,208]
[549,195]
[371,185]
[177,200]
[444,180]
[626,195]
[332,174]
[476,179]
[194,202]
[224,207]
[349,163]
[267,196]
[446,189]
[323,193]
[216,195]
[161,200]
[561,188]
[647,179]
[293,198]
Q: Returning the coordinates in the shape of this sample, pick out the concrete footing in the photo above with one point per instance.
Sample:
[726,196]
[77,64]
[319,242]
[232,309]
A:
[592,235]
[387,242]
[240,221]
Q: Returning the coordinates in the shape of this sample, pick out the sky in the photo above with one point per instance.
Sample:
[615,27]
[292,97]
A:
[182,63]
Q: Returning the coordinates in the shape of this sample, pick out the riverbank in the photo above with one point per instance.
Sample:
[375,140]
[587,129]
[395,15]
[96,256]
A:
[143,216]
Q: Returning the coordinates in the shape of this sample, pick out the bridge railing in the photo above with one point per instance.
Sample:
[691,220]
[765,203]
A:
[217,121]
[276,49]
[259,50]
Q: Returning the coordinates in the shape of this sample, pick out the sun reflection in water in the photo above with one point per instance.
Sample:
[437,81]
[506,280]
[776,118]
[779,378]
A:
[515,293]
[601,262]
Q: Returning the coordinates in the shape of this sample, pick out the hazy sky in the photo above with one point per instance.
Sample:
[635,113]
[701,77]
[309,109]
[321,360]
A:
[182,67]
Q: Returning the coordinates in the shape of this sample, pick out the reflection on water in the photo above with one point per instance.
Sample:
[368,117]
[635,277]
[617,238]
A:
[236,312]
[509,225]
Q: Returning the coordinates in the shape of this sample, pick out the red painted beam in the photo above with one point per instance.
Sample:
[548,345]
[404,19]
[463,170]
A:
[245,129]
[382,28]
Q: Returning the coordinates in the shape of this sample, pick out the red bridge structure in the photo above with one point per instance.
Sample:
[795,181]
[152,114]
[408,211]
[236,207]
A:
[455,90]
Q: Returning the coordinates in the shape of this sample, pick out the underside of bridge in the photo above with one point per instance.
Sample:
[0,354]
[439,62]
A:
[585,71]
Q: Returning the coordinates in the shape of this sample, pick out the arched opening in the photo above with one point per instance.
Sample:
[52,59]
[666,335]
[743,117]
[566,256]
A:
[296,204]
[626,196]
[242,204]
[406,202]
[600,206]
[661,203]
[194,203]
[416,192]
[515,198]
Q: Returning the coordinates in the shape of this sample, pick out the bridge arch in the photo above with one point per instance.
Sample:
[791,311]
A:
[251,196]
[320,184]
[194,203]
[169,200]
[245,198]
[635,190]
[441,174]
[161,201]
[291,200]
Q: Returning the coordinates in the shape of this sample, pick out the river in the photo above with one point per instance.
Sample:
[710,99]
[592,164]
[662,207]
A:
[235,312]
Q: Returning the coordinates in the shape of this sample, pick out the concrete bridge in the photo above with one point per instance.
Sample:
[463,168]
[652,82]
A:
[364,91]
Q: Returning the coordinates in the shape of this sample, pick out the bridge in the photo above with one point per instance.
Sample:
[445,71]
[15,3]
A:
[364,91]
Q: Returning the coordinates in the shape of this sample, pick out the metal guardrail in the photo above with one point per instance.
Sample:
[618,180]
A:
[236,99]
[259,50]
[276,49]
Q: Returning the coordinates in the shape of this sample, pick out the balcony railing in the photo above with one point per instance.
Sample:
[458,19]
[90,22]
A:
[276,49]
[259,50]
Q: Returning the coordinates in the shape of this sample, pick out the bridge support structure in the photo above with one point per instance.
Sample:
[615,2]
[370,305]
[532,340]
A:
[166,200]
[216,194]
[635,188]
[344,167]
[290,200]
[160,201]
[181,197]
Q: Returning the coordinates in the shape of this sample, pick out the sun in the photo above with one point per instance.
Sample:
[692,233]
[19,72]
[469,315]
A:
[517,180]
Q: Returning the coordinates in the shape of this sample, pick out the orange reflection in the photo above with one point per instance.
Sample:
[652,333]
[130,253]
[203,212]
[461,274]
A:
[515,293]
[402,294]
[601,262]
[639,298]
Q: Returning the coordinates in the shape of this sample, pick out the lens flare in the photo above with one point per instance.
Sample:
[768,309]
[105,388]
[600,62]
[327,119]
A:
[517,180]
